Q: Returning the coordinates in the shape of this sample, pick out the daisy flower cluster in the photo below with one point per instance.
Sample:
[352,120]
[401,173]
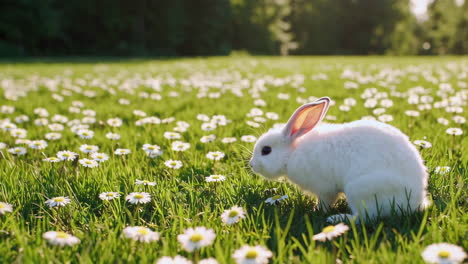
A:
[148,146]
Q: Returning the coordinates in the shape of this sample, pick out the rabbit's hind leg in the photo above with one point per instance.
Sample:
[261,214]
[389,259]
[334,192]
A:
[377,194]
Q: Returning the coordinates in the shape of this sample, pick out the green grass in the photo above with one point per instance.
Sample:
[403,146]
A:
[182,198]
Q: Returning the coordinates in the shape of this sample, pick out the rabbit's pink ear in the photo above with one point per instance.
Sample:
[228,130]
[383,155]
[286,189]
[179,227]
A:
[306,118]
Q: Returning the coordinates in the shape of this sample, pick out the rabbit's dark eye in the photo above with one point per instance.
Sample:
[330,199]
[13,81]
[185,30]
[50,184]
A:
[266,150]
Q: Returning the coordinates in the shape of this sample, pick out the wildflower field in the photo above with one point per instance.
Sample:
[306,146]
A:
[147,161]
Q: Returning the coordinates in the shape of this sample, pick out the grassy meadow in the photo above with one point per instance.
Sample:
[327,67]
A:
[217,105]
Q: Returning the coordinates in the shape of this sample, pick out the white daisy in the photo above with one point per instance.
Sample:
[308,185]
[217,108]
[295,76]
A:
[209,138]
[53,136]
[454,131]
[66,155]
[275,199]
[114,122]
[180,129]
[215,178]
[88,163]
[443,253]
[56,127]
[385,118]
[195,238]
[459,119]
[330,232]
[121,151]
[272,116]
[5,208]
[422,143]
[148,148]
[85,133]
[180,146]
[172,135]
[58,201]
[60,238]
[252,255]
[22,141]
[7,126]
[154,154]
[412,113]
[89,112]
[203,117]
[89,148]
[41,122]
[107,196]
[208,261]
[42,112]
[443,121]
[215,155]
[248,138]
[138,198]
[7,109]
[113,136]
[173,164]
[228,140]
[208,126]
[38,144]
[233,215]
[442,170]
[141,234]
[59,119]
[18,133]
[52,159]
[100,157]
[175,260]
[145,182]
[17,151]
[139,113]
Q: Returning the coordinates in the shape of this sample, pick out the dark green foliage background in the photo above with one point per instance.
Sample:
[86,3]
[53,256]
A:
[216,27]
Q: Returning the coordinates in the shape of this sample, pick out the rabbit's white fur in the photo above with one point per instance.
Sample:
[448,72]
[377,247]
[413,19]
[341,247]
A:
[373,163]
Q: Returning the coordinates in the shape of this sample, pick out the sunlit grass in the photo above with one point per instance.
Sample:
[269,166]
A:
[182,198]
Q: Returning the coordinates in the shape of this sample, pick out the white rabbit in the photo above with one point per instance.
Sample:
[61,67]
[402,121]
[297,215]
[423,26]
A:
[372,163]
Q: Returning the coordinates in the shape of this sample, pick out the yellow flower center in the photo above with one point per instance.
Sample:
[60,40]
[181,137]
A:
[145,181]
[88,162]
[62,235]
[109,194]
[276,197]
[173,163]
[251,254]
[328,229]
[215,177]
[2,206]
[143,231]
[233,213]
[59,199]
[443,254]
[196,237]
[138,196]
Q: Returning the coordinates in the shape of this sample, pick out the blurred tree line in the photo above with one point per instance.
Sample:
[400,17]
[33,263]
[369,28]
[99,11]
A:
[216,27]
